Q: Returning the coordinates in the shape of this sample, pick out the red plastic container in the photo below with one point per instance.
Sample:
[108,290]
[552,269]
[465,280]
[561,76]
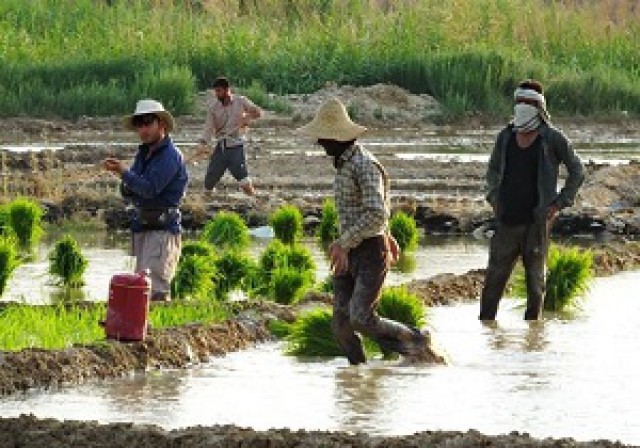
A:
[128,307]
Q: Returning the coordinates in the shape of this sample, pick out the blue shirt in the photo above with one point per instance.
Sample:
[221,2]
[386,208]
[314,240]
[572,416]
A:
[157,180]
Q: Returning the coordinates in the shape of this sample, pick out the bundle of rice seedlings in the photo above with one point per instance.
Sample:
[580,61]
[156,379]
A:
[234,270]
[311,335]
[200,248]
[404,229]
[9,261]
[287,223]
[227,231]
[67,263]
[25,218]
[400,305]
[288,284]
[328,228]
[195,277]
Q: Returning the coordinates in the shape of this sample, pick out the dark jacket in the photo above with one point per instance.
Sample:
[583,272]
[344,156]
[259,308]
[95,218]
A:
[158,181]
[556,149]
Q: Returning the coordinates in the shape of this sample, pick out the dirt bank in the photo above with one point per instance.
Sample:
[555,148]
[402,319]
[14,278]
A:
[171,348]
[30,432]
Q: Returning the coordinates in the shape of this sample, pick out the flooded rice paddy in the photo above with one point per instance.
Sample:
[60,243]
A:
[575,376]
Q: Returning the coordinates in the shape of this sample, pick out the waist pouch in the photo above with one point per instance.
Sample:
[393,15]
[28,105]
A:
[154,218]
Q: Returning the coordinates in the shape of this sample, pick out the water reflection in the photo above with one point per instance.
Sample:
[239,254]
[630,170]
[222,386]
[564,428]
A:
[531,338]
[356,396]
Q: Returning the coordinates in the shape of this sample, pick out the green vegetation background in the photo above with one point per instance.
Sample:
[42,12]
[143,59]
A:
[69,58]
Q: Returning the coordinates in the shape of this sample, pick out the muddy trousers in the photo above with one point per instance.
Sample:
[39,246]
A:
[157,251]
[357,293]
[529,242]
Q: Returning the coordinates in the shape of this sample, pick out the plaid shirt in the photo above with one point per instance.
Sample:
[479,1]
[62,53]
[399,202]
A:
[361,188]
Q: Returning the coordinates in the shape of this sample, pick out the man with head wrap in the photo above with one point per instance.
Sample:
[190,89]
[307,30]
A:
[522,179]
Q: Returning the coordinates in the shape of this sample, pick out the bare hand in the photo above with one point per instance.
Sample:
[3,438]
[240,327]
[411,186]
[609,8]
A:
[552,212]
[339,258]
[114,166]
[394,248]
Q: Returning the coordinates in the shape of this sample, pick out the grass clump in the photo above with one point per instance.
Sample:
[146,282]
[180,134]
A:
[195,277]
[400,305]
[259,95]
[9,261]
[227,231]
[67,263]
[569,274]
[328,228]
[311,335]
[25,219]
[284,272]
[199,248]
[235,270]
[287,223]
[404,229]
[287,284]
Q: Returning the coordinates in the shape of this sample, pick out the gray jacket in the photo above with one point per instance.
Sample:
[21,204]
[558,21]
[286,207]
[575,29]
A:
[556,149]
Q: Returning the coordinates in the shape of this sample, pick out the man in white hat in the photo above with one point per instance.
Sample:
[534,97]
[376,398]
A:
[155,185]
[361,255]
[522,184]
[228,116]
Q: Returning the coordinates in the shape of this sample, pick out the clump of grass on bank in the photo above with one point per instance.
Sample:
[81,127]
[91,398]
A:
[328,228]
[227,231]
[470,57]
[287,223]
[59,327]
[25,219]
[259,95]
[569,275]
[404,229]
[9,261]
[67,263]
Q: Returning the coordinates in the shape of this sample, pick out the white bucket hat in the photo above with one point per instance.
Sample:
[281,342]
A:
[332,122]
[144,107]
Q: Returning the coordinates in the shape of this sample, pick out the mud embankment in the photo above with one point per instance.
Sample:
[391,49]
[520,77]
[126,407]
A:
[170,348]
[30,432]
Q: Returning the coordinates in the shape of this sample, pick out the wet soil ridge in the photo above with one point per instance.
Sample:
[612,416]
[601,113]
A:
[31,432]
[170,348]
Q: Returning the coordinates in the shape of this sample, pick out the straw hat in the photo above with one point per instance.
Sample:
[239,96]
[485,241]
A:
[150,107]
[332,122]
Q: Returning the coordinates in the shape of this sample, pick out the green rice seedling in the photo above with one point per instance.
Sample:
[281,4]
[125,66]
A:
[234,269]
[5,221]
[404,229]
[199,248]
[287,284]
[311,335]
[327,284]
[279,329]
[328,228]
[187,312]
[195,277]
[278,256]
[9,261]
[406,263]
[67,263]
[287,223]
[25,217]
[569,274]
[227,230]
[400,305]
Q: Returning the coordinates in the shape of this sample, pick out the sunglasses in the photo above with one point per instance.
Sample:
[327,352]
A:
[139,121]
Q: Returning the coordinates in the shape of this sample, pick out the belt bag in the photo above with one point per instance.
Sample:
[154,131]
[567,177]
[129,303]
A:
[154,218]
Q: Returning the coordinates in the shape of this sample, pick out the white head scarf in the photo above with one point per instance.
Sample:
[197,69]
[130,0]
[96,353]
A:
[527,117]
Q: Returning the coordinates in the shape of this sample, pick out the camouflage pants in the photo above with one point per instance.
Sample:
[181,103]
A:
[531,243]
[357,293]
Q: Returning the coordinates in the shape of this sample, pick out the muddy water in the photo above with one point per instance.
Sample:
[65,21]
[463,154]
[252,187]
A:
[108,253]
[573,377]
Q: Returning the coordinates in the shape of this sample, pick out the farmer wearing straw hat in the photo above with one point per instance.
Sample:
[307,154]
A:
[154,185]
[228,116]
[361,256]
[522,179]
